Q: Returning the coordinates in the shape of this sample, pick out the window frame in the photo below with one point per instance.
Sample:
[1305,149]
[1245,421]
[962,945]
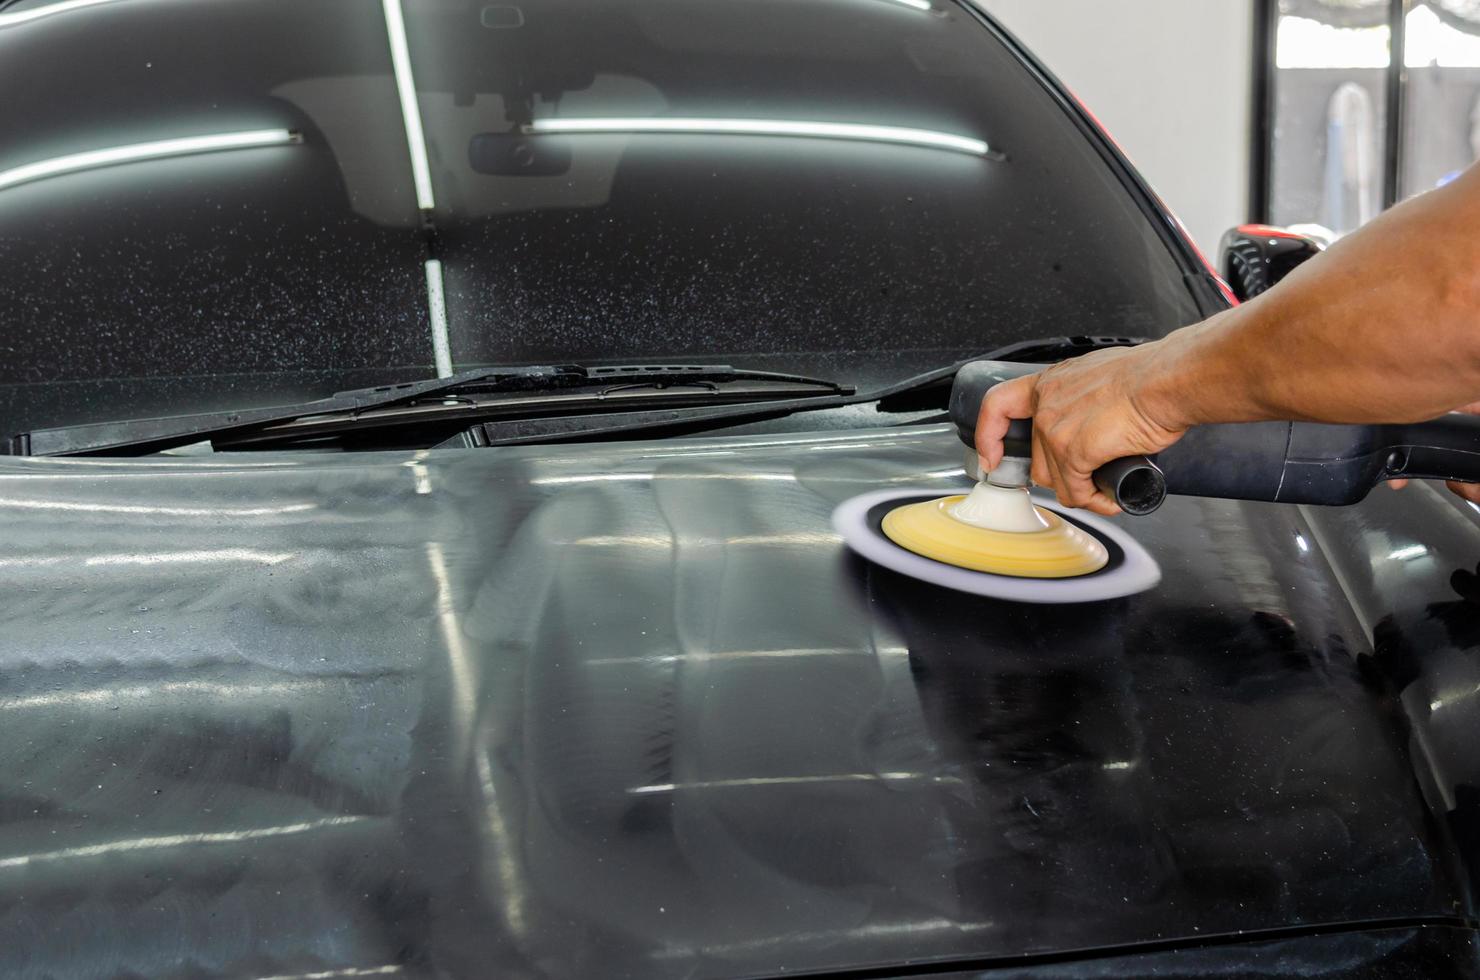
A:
[1266,32]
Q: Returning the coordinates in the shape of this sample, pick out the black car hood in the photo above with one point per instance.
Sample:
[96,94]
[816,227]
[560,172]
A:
[633,710]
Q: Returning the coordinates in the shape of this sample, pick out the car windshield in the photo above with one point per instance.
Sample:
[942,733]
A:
[218,203]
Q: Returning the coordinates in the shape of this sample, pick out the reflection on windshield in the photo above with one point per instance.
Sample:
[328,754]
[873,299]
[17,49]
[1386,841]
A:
[421,170]
[764,127]
[421,175]
[144,151]
[437,305]
[36,13]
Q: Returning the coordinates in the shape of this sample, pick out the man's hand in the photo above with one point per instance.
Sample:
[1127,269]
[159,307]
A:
[1086,412]
[1466,491]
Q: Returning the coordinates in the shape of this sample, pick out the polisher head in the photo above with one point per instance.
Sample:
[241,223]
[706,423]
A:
[1057,549]
[1078,557]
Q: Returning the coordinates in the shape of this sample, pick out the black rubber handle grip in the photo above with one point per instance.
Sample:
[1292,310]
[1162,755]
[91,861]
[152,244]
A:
[1136,484]
[1313,463]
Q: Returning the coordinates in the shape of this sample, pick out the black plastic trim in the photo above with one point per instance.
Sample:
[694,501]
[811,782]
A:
[1397,84]
[1262,110]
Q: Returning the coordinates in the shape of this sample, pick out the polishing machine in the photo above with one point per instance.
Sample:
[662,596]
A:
[1000,541]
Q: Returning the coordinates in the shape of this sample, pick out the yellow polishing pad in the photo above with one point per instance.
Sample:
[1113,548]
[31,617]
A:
[1062,550]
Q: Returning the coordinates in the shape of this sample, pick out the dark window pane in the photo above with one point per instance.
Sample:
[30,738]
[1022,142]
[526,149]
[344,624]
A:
[689,244]
[1330,112]
[191,281]
[1442,125]
[188,281]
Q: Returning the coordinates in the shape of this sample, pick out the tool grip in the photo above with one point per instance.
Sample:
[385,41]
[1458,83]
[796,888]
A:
[1447,448]
[1135,483]
[1316,463]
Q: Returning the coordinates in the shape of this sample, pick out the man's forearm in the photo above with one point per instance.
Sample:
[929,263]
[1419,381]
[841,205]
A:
[1383,327]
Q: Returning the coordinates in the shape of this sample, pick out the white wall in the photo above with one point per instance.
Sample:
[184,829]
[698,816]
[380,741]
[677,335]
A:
[1169,79]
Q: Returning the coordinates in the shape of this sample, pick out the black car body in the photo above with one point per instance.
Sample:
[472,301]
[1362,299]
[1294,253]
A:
[629,708]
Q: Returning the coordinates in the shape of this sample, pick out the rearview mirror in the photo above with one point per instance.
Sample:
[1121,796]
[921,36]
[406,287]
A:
[1255,257]
[517,155]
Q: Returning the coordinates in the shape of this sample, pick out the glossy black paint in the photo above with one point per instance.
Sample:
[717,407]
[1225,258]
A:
[632,710]
[1380,954]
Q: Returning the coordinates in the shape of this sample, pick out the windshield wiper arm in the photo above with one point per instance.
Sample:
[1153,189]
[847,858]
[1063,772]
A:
[133,437]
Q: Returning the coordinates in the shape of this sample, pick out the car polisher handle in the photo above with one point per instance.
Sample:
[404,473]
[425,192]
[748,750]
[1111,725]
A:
[1135,483]
[1446,448]
[1316,463]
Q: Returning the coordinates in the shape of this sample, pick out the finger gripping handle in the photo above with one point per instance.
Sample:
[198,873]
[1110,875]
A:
[1136,484]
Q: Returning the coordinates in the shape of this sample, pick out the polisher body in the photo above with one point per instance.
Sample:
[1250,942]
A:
[1280,462]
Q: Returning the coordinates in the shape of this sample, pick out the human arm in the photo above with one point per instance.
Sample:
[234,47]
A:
[1382,327]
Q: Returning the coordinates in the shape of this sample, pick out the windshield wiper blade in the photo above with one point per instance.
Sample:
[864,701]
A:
[138,436]
[899,396]
[133,437]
